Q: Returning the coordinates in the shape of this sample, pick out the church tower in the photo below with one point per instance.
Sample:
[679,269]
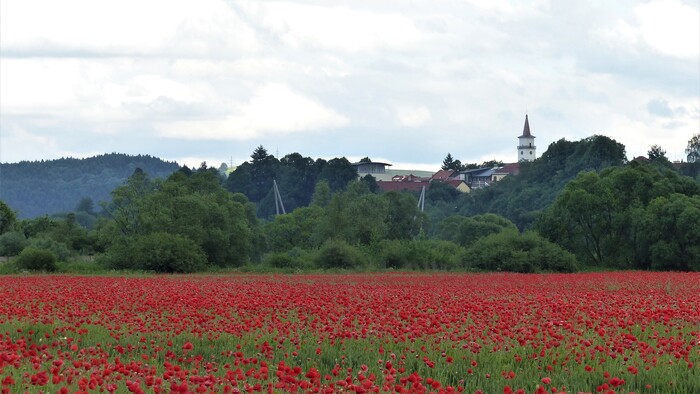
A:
[526,144]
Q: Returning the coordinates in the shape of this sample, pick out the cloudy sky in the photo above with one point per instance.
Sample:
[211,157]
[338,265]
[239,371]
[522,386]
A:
[404,81]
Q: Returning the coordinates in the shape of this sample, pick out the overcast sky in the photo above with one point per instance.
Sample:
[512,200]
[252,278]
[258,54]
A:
[403,81]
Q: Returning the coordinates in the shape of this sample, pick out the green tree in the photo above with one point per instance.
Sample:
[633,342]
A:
[7,218]
[322,194]
[371,183]
[221,224]
[656,153]
[338,172]
[240,180]
[355,216]
[601,217]
[198,208]
[262,172]
[404,219]
[693,149]
[36,227]
[295,229]
[12,243]
[448,163]
[126,208]
[672,228]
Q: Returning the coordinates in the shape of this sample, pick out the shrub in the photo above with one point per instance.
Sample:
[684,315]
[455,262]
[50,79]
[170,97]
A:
[163,252]
[120,255]
[419,254]
[336,253]
[34,259]
[296,258]
[159,252]
[436,254]
[511,251]
[12,243]
[393,254]
[59,249]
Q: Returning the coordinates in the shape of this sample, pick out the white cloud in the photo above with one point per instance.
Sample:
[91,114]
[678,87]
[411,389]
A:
[413,116]
[273,109]
[147,88]
[20,144]
[669,27]
[128,27]
[339,28]
[277,72]
[29,85]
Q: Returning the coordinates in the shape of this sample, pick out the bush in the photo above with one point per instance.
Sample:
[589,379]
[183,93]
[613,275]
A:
[33,259]
[12,243]
[436,254]
[419,254]
[159,252]
[392,254]
[163,252]
[296,258]
[339,254]
[80,266]
[511,251]
[59,249]
[120,255]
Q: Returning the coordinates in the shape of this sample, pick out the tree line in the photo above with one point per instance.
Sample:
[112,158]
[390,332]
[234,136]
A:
[580,205]
[45,187]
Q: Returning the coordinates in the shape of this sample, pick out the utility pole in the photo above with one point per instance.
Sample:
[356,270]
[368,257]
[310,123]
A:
[278,198]
[421,199]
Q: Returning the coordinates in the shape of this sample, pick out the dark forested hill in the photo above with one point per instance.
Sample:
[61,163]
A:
[46,187]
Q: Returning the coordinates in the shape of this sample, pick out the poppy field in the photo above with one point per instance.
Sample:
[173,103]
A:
[618,332]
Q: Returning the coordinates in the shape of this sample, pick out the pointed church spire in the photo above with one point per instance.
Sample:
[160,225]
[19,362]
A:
[526,129]
[526,144]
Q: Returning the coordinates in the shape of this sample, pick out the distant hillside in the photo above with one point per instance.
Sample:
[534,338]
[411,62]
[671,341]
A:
[45,187]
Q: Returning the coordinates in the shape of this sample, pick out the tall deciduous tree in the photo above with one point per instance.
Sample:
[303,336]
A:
[605,218]
[262,172]
[197,208]
[7,218]
[126,207]
[693,149]
[338,172]
[673,229]
[404,219]
[656,153]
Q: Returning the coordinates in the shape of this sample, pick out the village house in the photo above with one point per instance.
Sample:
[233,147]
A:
[464,181]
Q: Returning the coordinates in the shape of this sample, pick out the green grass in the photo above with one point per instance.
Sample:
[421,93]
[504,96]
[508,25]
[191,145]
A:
[155,349]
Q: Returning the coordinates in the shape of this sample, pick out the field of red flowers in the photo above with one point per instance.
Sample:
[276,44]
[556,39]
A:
[493,333]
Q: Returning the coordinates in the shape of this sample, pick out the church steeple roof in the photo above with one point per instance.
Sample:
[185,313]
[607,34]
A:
[526,129]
